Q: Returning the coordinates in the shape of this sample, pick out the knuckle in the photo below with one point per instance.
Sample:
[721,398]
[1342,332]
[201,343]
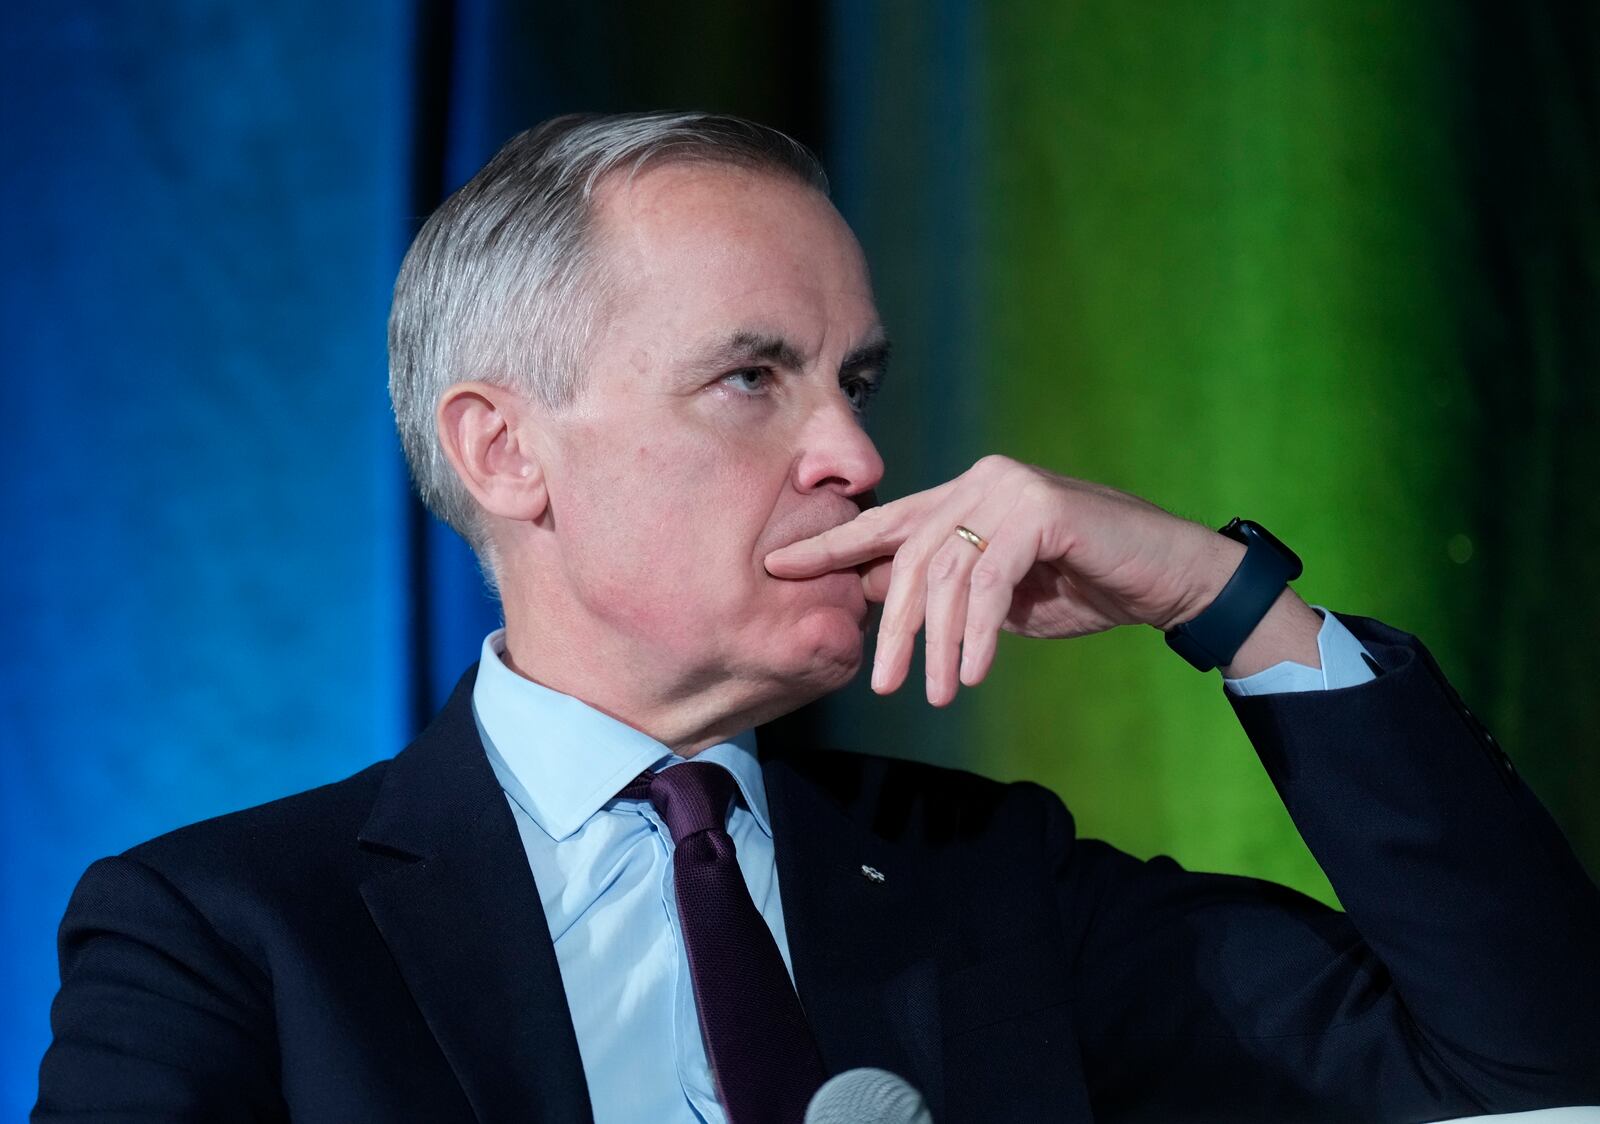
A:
[870,516]
[903,566]
[944,568]
[986,576]
[1034,489]
[993,462]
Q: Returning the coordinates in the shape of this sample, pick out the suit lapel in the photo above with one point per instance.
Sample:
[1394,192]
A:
[863,950]
[461,915]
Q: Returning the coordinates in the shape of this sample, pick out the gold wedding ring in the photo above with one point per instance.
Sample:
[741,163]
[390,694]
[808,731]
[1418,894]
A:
[974,538]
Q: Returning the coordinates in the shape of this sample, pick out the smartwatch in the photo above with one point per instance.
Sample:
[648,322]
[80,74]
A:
[1214,637]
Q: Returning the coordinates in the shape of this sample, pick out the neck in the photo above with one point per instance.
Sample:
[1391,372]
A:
[683,716]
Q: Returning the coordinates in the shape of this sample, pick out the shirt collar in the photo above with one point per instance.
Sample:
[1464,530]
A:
[562,760]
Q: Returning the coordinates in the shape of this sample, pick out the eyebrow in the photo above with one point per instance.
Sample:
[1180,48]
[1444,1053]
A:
[745,346]
[873,357]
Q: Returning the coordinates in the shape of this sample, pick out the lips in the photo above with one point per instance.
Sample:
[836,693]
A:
[814,525]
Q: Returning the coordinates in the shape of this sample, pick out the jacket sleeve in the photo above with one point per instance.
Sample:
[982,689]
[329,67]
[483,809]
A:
[158,1018]
[1464,977]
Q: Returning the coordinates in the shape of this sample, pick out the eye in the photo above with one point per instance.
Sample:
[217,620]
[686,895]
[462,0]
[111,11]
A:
[859,392]
[752,381]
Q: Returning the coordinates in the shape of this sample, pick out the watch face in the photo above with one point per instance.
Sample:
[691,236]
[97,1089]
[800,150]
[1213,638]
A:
[1243,530]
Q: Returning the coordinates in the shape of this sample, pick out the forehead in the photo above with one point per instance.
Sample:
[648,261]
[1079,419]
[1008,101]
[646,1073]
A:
[704,247]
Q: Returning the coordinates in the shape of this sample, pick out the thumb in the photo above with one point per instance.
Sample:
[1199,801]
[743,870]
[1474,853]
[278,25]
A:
[875,578]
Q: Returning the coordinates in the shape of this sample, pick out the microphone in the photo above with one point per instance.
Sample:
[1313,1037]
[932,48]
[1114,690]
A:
[867,1096]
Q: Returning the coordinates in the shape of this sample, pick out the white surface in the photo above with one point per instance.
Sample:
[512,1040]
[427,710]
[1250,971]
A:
[1574,1115]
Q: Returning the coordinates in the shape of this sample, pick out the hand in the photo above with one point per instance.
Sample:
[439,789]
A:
[1065,558]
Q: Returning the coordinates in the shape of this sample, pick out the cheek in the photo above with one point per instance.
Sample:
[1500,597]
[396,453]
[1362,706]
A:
[673,535]
[685,505]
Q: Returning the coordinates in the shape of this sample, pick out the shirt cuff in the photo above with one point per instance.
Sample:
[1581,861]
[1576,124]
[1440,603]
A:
[1345,663]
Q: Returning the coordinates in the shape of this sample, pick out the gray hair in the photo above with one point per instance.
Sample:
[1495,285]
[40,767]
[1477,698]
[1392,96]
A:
[502,283]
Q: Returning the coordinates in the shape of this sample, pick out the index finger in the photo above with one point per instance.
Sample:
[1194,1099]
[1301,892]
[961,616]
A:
[876,533]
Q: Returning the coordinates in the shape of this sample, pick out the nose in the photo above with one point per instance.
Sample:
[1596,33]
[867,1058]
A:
[836,453]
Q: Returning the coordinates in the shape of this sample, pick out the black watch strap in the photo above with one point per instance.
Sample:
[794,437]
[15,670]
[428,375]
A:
[1214,637]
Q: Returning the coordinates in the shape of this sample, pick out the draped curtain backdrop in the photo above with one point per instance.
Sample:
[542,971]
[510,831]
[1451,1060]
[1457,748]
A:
[1331,265]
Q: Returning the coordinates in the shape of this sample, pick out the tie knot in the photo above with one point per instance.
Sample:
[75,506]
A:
[691,797]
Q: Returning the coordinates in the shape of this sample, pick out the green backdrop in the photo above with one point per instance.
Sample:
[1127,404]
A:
[1329,265]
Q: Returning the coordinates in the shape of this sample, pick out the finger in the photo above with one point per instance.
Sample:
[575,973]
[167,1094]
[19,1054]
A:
[946,616]
[877,532]
[875,579]
[992,584]
[902,617]
[949,591]
[905,603]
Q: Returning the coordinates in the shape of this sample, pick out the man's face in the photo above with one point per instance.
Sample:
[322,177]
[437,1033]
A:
[720,420]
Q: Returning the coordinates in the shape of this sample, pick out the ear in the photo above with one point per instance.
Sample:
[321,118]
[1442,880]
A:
[484,432]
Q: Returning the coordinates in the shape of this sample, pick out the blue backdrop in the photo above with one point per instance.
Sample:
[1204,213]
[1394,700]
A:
[205,579]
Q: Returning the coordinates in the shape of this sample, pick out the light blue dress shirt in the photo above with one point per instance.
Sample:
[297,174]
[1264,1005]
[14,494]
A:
[1344,664]
[604,871]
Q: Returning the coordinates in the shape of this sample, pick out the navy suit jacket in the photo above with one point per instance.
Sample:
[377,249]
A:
[375,949]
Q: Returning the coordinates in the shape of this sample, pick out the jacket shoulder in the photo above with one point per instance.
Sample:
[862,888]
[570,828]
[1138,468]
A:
[267,842]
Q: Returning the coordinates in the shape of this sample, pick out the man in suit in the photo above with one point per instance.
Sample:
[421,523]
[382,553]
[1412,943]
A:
[629,363]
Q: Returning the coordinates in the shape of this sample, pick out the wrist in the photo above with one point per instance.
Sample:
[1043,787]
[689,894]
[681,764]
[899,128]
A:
[1215,559]
[1289,631]
[1239,613]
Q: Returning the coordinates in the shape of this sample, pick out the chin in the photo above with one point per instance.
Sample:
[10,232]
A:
[819,654]
[826,647]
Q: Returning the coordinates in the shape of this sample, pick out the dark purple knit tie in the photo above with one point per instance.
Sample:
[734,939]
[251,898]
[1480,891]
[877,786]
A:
[763,1058]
